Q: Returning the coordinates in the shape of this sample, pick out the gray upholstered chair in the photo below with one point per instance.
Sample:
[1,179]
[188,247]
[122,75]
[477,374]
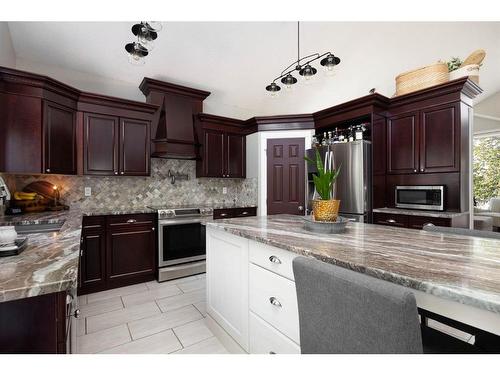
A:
[342,311]
[462,231]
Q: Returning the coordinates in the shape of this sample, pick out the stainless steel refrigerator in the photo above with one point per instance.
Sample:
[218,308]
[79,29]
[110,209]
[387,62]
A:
[353,186]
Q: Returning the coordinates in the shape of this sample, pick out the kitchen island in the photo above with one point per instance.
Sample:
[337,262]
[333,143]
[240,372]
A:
[251,290]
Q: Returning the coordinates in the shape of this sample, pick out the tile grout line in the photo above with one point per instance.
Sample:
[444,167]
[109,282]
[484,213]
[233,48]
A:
[180,342]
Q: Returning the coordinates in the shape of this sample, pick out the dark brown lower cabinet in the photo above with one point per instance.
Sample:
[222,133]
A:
[35,325]
[116,251]
[417,222]
[227,213]
[130,255]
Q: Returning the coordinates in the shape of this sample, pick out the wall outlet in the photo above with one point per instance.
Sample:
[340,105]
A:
[88,191]
[224,190]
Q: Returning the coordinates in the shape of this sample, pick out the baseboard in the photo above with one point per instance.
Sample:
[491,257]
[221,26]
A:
[226,340]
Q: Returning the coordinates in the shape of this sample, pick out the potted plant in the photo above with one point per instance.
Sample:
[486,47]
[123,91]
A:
[325,208]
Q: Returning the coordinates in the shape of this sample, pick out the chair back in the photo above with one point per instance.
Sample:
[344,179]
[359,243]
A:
[343,311]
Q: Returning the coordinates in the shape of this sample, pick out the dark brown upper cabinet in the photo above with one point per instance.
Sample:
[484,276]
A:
[173,125]
[221,147]
[116,136]
[116,146]
[425,141]
[37,123]
[101,142]
[50,127]
[440,139]
[402,143]
[134,147]
[59,139]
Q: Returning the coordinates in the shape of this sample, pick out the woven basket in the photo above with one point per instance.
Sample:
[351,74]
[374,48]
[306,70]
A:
[421,78]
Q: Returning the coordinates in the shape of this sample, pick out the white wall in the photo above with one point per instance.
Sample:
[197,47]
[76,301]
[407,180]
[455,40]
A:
[7,54]
[257,159]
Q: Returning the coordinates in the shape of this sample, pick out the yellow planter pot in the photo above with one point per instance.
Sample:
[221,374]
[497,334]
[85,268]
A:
[325,210]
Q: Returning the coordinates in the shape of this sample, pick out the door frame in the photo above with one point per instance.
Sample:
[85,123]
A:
[262,159]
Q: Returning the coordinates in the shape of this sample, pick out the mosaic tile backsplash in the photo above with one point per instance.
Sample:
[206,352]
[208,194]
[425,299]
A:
[118,193]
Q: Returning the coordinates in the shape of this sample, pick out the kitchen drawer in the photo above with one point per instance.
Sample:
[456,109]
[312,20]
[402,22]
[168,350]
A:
[390,219]
[272,259]
[273,298]
[245,211]
[93,223]
[418,222]
[223,213]
[130,220]
[265,339]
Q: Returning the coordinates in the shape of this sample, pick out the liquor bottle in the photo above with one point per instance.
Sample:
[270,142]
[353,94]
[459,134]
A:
[323,141]
[341,137]
[359,132]
[314,142]
[336,136]
[330,139]
[351,134]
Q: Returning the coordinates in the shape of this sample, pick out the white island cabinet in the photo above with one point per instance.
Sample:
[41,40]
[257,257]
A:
[251,293]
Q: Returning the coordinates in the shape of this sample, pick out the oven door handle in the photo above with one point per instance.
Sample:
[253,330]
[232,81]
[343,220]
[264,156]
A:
[177,222]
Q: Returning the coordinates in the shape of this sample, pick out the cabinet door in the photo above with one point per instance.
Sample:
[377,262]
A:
[227,283]
[390,219]
[100,144]
[93,262]
[134,147]
[236,155]
[59,139]
[20,134]
[379,148]
[440,139]
[402,143]
[213,155]
[130,255]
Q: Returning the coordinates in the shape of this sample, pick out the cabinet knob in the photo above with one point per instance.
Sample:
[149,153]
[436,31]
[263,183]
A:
[391,221]
[76,314]
[415,170]
[223,214]
[301,208]
[244,213]
[153,229]
[116,172]
[421,169]
[131,221]
[274,259]
[275,302]
[47,170]
[122,172]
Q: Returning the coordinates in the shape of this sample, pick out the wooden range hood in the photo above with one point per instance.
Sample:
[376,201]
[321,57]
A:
[172,130]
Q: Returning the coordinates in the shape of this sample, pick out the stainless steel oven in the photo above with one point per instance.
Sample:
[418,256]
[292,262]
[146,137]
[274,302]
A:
[420,197]
[181,241]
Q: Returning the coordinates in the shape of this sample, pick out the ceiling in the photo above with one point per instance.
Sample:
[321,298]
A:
[236,60]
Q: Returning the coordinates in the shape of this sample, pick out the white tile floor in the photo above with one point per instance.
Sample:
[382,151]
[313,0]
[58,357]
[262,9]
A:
[148,318]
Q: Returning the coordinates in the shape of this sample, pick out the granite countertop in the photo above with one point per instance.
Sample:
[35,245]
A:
[459,268]
[402,211]
[49,264]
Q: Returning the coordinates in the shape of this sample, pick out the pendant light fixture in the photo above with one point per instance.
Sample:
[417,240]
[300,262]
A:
[303,66]
[146,33]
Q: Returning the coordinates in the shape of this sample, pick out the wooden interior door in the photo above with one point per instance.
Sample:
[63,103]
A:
[285,176]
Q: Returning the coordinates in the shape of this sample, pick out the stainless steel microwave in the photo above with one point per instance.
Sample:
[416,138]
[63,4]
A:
[420,197]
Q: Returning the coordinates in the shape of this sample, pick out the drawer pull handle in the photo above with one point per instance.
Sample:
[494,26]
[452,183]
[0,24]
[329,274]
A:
[223,214]
[77,313]
[274,259]
[244,213]
[131,221]
[271,352]
[391,221]
[275,302]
